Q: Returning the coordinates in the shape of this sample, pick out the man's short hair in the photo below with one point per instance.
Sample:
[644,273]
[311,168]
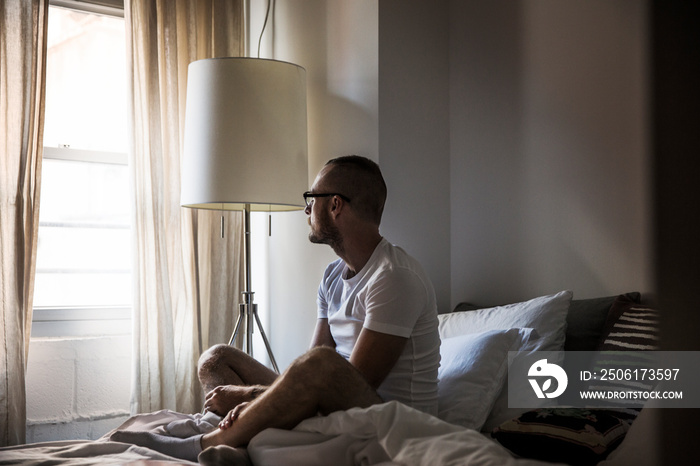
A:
[359,179]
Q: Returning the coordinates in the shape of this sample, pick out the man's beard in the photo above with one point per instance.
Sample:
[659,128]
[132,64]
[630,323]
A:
[326,233]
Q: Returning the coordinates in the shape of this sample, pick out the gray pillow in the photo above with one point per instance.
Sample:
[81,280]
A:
[586,320]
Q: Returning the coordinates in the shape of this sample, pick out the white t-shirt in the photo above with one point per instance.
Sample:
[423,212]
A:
[393,295]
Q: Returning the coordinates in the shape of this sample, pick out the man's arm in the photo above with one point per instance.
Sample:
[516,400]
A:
[322,334]
[375,354]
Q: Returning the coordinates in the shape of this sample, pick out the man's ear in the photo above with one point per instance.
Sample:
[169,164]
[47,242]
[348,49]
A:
[337,205]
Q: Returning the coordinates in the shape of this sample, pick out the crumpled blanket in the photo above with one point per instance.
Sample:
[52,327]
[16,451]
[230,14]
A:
[174,424]
[389,433]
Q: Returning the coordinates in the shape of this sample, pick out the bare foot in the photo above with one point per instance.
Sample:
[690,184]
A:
[224,398]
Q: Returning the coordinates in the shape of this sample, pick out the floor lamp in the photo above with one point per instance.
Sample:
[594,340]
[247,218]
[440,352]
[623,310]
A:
[245,148]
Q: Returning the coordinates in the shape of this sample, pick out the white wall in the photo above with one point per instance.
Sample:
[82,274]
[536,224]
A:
[414,144]
[549,149]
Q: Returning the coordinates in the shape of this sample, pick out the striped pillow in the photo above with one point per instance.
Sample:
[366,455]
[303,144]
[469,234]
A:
[630,326]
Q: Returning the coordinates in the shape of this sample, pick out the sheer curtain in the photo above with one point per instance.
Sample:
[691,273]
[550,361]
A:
[187,278]
[23,25]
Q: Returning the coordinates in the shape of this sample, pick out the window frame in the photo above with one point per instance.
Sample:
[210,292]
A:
[100,7]
[83,321]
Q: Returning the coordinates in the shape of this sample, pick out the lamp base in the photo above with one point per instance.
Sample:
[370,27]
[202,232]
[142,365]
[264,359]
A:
[249,311]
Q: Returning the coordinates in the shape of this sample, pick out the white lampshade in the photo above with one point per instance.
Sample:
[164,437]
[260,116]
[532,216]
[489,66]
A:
[245,135]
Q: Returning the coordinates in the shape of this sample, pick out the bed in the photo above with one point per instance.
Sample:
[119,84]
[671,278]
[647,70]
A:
[475,424]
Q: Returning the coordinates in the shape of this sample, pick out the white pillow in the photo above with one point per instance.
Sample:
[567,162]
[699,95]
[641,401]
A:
[472,372]
[546,314]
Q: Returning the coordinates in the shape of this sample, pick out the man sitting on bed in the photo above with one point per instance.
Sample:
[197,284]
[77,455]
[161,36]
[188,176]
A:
[376,337]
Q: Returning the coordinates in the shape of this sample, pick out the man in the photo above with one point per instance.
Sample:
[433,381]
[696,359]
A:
[376,336]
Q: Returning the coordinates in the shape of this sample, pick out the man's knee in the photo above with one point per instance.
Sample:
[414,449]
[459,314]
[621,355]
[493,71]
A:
[331,381]
[323,355]
[214,358]
[321,361]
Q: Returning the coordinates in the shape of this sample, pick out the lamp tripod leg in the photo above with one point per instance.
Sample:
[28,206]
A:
[267,343]
[235,330]
[250,315]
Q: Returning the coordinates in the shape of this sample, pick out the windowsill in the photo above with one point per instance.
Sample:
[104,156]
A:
[80,322]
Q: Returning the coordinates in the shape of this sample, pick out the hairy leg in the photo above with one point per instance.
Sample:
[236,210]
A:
[230,377]
[320,381]
[226,365]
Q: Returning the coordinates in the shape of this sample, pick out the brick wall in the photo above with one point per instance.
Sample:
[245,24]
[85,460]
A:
[77,388]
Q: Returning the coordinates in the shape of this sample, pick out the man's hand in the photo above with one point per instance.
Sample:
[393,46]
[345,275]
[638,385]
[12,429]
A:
[225,398]
[232,415]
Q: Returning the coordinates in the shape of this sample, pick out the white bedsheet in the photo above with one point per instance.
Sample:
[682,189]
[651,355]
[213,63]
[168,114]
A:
[102,451]
[82,452]
[387,434]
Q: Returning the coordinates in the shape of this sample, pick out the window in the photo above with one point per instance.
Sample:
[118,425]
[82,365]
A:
[83,276]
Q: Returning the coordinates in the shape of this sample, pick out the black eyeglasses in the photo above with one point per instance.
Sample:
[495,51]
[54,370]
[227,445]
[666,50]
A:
[309,196]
